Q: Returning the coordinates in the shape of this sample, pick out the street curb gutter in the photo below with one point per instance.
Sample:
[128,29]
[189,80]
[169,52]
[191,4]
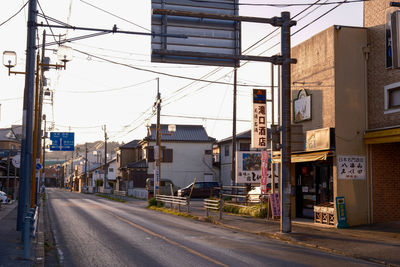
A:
[39,249]
[291,240]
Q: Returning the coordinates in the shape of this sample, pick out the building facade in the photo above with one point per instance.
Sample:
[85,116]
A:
[382,135]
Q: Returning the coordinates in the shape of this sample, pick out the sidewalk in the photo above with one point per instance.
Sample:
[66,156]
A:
[11,246]
[379,243]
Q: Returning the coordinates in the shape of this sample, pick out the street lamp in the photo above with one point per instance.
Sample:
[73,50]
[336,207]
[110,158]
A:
[10,61]
[64,54]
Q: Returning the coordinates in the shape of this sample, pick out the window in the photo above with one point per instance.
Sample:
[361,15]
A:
[150,154]
[392,98]
[110,169]
[167,155]
[226,151]
[207,152]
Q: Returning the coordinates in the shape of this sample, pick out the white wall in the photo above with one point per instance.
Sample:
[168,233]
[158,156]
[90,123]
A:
[189,162]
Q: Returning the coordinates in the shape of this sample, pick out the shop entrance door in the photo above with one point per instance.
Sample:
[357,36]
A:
[313,186]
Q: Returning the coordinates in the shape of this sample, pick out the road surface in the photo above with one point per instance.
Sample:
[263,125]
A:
[93,231]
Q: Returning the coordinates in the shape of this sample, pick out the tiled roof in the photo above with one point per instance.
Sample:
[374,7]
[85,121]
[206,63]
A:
[244,135]
[189,133]
[138,164]
[131,144]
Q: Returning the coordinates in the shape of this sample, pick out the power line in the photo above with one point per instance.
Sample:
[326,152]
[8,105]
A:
[137,25]
[202,118]
[10,18]
[281,5]
[163,73]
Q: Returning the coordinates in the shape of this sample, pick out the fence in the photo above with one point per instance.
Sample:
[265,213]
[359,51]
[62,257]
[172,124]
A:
[213,204]
[120,194]
[175,201]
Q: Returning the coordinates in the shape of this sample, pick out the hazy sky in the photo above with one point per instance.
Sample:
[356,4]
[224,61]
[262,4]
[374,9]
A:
[92,92]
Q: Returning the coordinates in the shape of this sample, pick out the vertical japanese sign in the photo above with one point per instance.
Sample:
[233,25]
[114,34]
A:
[259,125]
[351,167]
[275,205]
[264,171]
[341,212]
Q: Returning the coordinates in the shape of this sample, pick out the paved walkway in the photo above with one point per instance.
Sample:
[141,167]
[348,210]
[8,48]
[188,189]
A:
[379,243]
[11,246]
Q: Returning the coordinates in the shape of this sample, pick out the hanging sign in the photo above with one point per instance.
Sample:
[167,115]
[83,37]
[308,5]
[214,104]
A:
[302,107]
[351,167]
[259,125]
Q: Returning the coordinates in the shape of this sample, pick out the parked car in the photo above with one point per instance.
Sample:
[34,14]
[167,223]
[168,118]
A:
[165,186]
[254,194]
[3,197]
[201,189]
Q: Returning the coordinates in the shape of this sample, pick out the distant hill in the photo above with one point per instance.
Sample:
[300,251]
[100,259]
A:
[80,149]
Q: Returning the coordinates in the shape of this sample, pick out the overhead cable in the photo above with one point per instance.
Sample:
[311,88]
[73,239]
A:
[10,18]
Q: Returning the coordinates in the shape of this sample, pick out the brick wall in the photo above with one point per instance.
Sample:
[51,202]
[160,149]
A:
[386,182]
[378,76]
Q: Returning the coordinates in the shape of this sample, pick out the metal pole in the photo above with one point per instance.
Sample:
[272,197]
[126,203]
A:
[8,174]
[35,135]
[233,170]
[86,165]
[286,226]
[27,117]
[158,135]
[272,123]
[72,170]
[105,158]
[44,149]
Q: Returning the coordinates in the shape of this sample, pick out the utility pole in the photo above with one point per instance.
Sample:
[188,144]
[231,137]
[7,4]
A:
[233,170]
[86,165]
[44,148]
[105,158]
[285,190]
[72,170]
[27,118]
[157,179]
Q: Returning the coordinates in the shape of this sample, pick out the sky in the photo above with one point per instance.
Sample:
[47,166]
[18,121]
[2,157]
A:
[92,93]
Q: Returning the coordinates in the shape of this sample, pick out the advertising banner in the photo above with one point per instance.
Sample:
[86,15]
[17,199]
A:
[248,167]
[264,171]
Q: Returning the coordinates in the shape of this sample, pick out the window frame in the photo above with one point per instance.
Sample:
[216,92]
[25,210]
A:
[388,89]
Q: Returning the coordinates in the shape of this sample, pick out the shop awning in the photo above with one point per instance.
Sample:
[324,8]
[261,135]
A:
[304,157]
[382,136]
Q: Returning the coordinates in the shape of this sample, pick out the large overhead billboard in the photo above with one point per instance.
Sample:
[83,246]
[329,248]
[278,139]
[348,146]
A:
[204,35]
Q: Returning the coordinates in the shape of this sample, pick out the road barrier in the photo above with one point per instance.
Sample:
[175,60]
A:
[120,194]
[175,201]
[30,228]
[213,204]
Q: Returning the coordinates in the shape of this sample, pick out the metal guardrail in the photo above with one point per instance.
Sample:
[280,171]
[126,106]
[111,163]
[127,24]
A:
[175,200]
[213,204]
[120,194]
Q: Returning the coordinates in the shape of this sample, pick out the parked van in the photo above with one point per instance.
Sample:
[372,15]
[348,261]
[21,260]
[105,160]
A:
[165,186]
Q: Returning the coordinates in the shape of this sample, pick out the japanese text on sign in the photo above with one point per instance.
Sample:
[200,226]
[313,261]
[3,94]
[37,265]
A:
[259,126]
[264,171]
[248,167]
[351,167]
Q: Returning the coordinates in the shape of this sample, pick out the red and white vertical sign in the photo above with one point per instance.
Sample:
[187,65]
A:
[264,171]
[259,125]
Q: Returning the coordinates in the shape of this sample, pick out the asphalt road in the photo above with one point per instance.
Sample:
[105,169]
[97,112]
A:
[92,231]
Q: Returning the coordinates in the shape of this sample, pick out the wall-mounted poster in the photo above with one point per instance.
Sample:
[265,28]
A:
[248,167]
[302,107]
[351,167]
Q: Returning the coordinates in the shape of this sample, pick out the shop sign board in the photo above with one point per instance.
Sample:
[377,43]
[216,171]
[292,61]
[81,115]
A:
[351,167]
[264,171]
[248,167]
[259,125]
[275,205]
[319,139]
[341,213]
[302,107]
[204,36]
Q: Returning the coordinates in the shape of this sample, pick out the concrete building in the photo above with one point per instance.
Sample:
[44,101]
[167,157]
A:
[329,102]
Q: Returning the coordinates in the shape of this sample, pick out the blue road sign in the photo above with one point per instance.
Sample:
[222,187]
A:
[38,166]
[62,141]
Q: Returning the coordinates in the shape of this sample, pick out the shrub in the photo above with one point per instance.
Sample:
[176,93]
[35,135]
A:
[153,202]
[99,183]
